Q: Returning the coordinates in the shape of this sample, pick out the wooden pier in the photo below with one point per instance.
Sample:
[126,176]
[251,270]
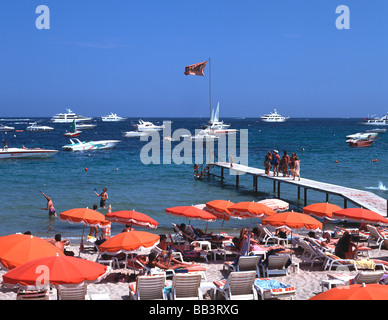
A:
[364,199]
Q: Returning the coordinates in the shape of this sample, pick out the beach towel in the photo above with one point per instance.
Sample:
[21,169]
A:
[366,264]
[269,284]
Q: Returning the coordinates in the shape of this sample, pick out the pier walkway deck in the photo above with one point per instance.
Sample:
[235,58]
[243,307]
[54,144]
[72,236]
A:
[364,199]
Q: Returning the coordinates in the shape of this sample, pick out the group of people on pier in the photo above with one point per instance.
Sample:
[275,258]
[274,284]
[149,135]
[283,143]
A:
[289,166]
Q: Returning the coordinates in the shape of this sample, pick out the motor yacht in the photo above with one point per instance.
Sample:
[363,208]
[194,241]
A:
[113,117]
[34,127]
[273,117]
[68,117]
[147,126]
[13,153]
[4,128]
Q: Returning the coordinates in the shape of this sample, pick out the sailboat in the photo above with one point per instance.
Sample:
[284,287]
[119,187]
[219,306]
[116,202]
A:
[73,131]
[217,126]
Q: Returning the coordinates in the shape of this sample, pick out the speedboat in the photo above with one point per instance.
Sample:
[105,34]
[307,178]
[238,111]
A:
[4,128]
[273,117]
[362,135]
[86,126]
[147,126]
[77,145]
[68,117]
[376,121]
[134,134]
[113,117]
[35,128]
[13,153]
[360,142]
[378,130]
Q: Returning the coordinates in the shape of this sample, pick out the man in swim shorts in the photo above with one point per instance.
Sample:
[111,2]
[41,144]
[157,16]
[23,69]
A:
[50,206]
[103,195]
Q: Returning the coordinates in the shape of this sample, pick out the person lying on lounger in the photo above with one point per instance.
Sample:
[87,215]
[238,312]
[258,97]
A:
[167,263]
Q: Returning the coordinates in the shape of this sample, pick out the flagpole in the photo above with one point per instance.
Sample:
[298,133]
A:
[210,90]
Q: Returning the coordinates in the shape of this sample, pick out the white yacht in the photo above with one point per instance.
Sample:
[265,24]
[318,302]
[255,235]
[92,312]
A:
[273,117]
[34,127]
[376,121]
[147,126]
[6,128]
[113,117]
[86,126]
[68,117]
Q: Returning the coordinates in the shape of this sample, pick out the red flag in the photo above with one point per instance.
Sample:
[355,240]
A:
[197,69]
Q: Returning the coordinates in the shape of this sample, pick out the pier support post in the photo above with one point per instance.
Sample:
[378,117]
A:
[278,189]
[305,196]
[327,197]
[298,192]
[345,203]
[274,186]
[222,174]
[237,179]
[255,183]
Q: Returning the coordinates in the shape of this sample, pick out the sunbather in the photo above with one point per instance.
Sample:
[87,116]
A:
[168,263]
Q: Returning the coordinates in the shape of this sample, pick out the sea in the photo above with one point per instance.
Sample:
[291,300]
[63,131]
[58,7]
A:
[70,178]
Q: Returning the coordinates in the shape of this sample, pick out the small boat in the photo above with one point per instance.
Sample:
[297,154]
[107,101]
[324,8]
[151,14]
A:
[13,153]
[34,127]
[68,117]
[77,145]
[205,134]
[217,126]
[113,117]
[134,134]
[147,126]
[86,126]
[273,117]
[377,130]
[362,135]
[73,131]
[4,128]
[360,142]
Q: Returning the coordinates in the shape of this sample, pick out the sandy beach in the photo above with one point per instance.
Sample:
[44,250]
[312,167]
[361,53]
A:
[307,280]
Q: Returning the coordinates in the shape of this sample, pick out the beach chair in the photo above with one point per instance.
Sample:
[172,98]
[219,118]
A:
[238,286]
[71,292]
[271,289]
[175,254]
[376,235]
[368,277]
[111,261]
[245,263]
[267,236]
[310,254]
[186,286]
[32,295]
[334,261]
[276,265]
[150,287]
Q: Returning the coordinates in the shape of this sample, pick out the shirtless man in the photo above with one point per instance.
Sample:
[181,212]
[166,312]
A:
[50,206]
[103,195]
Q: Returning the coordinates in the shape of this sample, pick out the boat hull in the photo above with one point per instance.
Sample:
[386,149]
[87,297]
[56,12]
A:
[18,153]
[91,145]
[360,143]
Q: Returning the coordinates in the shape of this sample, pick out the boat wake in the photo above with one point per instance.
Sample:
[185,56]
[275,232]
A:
[380,187]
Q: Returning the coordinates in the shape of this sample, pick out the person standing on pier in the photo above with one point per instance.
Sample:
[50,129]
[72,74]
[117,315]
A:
[275,162]
[292,164]
[284,164]
[267,162]
[296,171]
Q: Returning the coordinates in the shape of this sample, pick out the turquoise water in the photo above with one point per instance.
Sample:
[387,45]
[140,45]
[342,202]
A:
[152,188]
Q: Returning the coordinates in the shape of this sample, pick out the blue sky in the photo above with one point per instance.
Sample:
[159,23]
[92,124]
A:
[129,57]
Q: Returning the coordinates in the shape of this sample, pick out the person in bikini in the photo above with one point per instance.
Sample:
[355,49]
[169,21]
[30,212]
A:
[50,206]
[103,195]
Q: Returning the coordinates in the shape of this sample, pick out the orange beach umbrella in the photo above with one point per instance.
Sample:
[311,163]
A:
[321,210]
[191,213]
[373,291]
[132,217]
[244,210]
[17,249]
[293,220]
[83,216]
[55,270]
[139,242]
[360,215]
[276,204]
[219,208]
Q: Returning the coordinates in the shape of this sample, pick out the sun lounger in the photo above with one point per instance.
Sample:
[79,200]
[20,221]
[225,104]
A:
[238,286]
[32,295]
[71,292]
[244,263]
[310,254]
[376,235]
[148,288]
[275,265]
[186,287]
[271,289]
[267,236]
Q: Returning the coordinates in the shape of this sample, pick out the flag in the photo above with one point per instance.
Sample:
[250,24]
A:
[197,69]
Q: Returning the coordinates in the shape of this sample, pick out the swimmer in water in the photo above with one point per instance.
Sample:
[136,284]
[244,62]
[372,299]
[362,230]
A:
[50,206]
